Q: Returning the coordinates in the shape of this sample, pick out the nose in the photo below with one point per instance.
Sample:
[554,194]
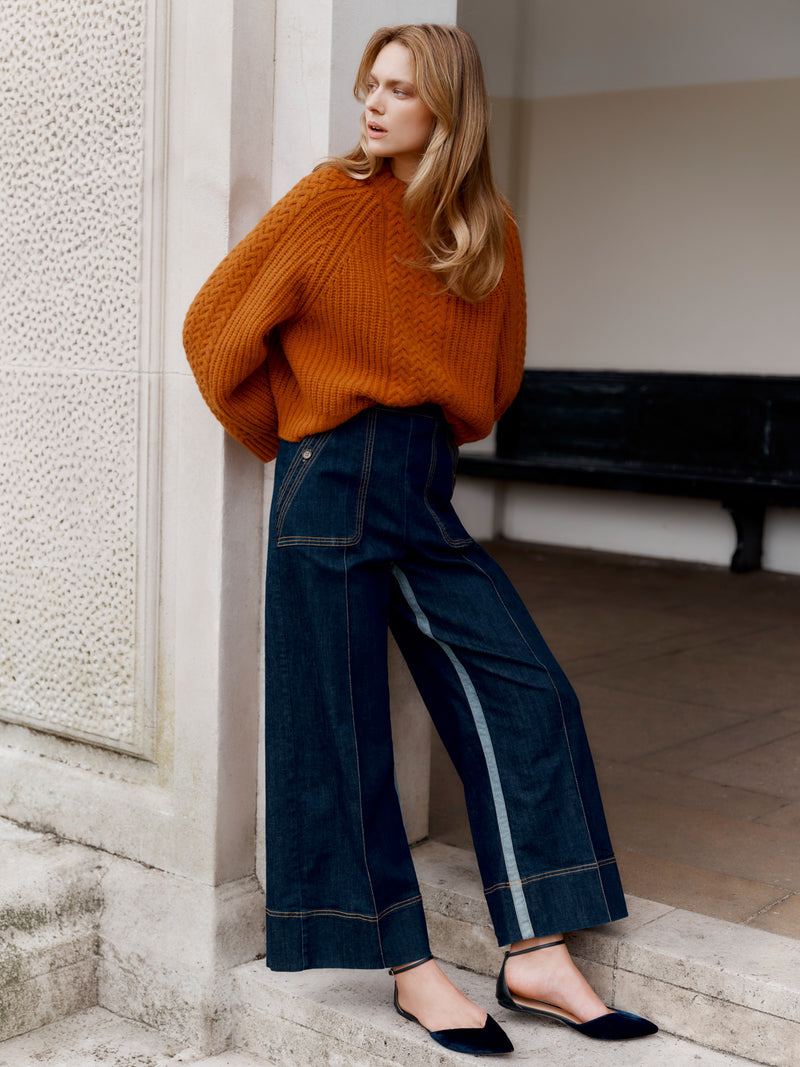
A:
[372,101]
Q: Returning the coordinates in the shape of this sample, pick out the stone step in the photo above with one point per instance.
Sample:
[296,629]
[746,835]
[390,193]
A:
[719,991]
[719,984]
[96,1036]
[346,1019]
[49,904]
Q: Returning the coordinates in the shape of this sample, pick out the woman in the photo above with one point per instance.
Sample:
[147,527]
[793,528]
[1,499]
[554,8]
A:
[372,322]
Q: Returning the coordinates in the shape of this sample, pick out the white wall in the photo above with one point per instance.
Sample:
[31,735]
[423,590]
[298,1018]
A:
[651,153]
[579,47]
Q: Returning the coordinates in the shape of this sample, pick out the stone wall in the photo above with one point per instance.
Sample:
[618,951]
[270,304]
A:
[138,140]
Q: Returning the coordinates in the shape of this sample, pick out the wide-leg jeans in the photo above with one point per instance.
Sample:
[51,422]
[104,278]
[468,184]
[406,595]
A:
[364,538]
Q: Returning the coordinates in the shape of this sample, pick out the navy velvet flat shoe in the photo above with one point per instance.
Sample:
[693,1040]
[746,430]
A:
[487,1040]
[614,1026]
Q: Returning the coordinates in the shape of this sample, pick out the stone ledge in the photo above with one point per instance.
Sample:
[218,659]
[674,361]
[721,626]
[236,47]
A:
[346,1019]
[79,927]
[50,903]
[74,935]
[97,1036]
[728,987]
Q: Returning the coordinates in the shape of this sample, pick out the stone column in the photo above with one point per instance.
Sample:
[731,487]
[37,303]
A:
[141,140]
[136,150]
[314,116]
[130,524]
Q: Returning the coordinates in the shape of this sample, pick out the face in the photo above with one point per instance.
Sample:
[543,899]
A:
[398,122]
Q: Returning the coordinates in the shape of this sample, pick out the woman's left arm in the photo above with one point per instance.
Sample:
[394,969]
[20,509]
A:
[511,354]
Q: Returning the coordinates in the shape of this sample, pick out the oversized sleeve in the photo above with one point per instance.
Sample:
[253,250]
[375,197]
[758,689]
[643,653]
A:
[511,355]
[229,326]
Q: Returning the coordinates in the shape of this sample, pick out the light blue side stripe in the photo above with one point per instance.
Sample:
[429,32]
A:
[482,728]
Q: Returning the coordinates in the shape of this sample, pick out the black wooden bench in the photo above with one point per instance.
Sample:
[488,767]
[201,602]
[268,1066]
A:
[733,438]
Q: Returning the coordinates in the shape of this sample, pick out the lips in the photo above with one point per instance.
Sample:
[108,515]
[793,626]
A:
[375,129]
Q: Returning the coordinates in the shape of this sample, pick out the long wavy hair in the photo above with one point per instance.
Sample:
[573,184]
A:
[459,215]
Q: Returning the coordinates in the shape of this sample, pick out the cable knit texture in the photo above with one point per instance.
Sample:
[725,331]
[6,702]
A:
[323,310]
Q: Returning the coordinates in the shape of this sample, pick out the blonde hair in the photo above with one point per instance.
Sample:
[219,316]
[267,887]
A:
[459,215]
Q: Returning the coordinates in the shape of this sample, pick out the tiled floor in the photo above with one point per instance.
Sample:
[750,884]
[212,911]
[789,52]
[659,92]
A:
[689,678]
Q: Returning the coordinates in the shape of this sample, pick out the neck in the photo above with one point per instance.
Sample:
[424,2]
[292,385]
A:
[403,169]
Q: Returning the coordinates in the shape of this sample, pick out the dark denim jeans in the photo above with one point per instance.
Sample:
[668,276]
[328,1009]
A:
[363,537]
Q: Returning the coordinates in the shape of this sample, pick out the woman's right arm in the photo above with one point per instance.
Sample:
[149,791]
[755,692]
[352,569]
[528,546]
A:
[227,330]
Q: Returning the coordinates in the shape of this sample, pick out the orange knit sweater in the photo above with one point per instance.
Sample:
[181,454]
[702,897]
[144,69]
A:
[319,313]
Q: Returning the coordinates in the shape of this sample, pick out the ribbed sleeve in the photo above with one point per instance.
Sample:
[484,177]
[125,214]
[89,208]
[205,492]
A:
[227,330]
[511,348]
[324,309]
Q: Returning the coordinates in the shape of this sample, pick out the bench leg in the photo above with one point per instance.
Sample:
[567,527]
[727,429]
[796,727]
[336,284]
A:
[748,518]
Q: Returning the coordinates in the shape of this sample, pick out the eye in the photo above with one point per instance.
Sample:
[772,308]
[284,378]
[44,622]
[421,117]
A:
[401,92]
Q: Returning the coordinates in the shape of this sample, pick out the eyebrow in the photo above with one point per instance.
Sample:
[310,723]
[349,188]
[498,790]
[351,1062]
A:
[392,82]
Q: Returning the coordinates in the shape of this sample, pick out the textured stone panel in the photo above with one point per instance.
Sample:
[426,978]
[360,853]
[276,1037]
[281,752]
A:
[67,554]
[72,139]
[71,159]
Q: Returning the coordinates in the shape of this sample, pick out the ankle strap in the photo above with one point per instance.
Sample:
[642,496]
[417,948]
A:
[409,966]
[522,951]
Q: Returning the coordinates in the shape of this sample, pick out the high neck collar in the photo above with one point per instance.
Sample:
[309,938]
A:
[392,189]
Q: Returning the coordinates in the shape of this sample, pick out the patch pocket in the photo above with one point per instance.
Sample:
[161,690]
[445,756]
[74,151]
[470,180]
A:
[323,494]
[439,490]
